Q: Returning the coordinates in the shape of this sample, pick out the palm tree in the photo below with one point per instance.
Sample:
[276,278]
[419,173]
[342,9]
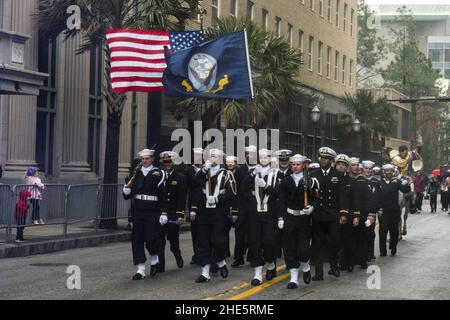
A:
[375,115]
[96,17]
[275,66]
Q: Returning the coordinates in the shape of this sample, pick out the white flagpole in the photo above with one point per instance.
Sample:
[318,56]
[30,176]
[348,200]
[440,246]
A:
[248,64]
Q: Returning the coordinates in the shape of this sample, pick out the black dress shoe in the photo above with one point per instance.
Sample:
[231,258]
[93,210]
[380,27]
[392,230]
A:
[383,254]
[335,272]
[214,268]
[270,274]
[237,263]
[317,278]
[404,233]
[292,285]
[193,260]
[307,277]
[393,252]
[256,282]
[350,268]
[224,271]
[180,262]
[373,258]
[138,276]
[154,269]
[202,279]
[161,268]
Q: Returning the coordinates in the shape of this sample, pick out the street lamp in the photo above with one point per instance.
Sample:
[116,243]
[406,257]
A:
[315,117]
[356,125]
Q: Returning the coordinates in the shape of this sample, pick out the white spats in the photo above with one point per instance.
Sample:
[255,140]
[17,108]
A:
[154,260]
[205,271]
[141,269]
[294,275]
[305,266]
[222,263]
[270,266]
[258,273]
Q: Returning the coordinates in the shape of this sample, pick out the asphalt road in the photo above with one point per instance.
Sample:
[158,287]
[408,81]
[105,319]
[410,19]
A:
[420,270]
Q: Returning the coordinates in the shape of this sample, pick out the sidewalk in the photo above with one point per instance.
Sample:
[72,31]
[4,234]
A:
[40,239]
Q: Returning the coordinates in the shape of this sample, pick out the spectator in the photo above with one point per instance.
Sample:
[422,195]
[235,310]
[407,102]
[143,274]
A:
[432,190]
[419,188]
[31,179]
[21,213]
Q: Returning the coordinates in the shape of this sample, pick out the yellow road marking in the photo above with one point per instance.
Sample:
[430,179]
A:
[260,288]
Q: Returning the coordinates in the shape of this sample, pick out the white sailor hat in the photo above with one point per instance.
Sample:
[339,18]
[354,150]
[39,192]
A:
[308,160]
[265,152]
[376,168]
[314,165]
[283,155]
[368,164]
[215,152]
[231,158]
[388,166]
[326,152]
[146,152]
[354,160]
[342,158]
[297,158]
[198,150]
[250,148]
[168,156]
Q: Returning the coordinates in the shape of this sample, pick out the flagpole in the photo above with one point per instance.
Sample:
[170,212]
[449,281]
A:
[248,64]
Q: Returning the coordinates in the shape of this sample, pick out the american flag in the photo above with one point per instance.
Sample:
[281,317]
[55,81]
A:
[137,56]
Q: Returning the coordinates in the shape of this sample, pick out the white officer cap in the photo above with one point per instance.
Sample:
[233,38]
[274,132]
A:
[388,166]
[146,152]
[342,158]
[326,152]
[265,152]
[314,165]
[283,155]
[231,158]
[250,148]
[354,160]
[168,156]
[198,150]
[368,164]
[297,158]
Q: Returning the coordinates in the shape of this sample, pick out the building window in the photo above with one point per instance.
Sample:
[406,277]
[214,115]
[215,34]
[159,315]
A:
[310,53]
[95,108]
[46,108]
[344,62]
[328,62]
[264,19]
[330,126]
[350,74]
[352,17]
[321,8]
[319,58]
[290,34]
[330,9]
[336,66]
[439,54]
[301,41]
[234,8]
[250,6]
[277,26]
[345,17]
[215,6]
[311,5]
[338,2]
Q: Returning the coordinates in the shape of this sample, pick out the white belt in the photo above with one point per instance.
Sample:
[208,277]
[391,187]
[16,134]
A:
[295,212]
[221,191]
[146,197]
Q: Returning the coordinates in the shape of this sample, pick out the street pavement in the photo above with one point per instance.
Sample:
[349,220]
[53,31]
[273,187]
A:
[419,271]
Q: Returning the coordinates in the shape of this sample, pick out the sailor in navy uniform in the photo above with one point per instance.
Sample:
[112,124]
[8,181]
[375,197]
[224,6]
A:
[244,198]
[232,166]
[375,185]
[175,188]
[264,186]
[389,209]
[210,207]
[331,213]
[191,172]
[294,218]
[148,212]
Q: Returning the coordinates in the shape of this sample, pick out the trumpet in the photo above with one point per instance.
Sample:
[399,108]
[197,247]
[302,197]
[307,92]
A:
[131,182]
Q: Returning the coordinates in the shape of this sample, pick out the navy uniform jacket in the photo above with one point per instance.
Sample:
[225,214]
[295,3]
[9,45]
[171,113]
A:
[175,186]
[388,200]
[190,177]
[364,198]
[333,200]
[239,176]
[293,197]
[151,185]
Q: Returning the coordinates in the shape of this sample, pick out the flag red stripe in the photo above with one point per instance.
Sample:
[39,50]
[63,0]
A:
[146,32]
[140,41]
[136,50]
[138,89]
[136,69]
[126,79]
[138,59]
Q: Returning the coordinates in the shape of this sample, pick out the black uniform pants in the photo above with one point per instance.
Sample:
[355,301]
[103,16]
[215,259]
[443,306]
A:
[389,224]
[194,233]
[433,201]
[445,200]
[419,199]
[348,245]
[262,246]
[227,237]
[326,241]
[365,242]
[171,232]
[241,234]
[211,241]
[146,232]
[296,240]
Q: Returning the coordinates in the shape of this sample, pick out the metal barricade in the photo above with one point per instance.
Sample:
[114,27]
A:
[81,204]
[6,212]
[111,204]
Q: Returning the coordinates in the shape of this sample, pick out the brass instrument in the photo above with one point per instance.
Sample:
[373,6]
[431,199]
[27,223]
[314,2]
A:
[417,165]
[400,162]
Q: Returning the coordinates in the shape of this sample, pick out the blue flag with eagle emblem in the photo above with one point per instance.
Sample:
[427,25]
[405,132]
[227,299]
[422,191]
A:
[217,69]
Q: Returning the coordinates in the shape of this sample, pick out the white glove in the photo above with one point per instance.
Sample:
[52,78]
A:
[193,215]
[163,219]
[308,210]
[211,200]
[126,190]
[260,182]
[404,182]
[280,223]
[257,170]
[207,166]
